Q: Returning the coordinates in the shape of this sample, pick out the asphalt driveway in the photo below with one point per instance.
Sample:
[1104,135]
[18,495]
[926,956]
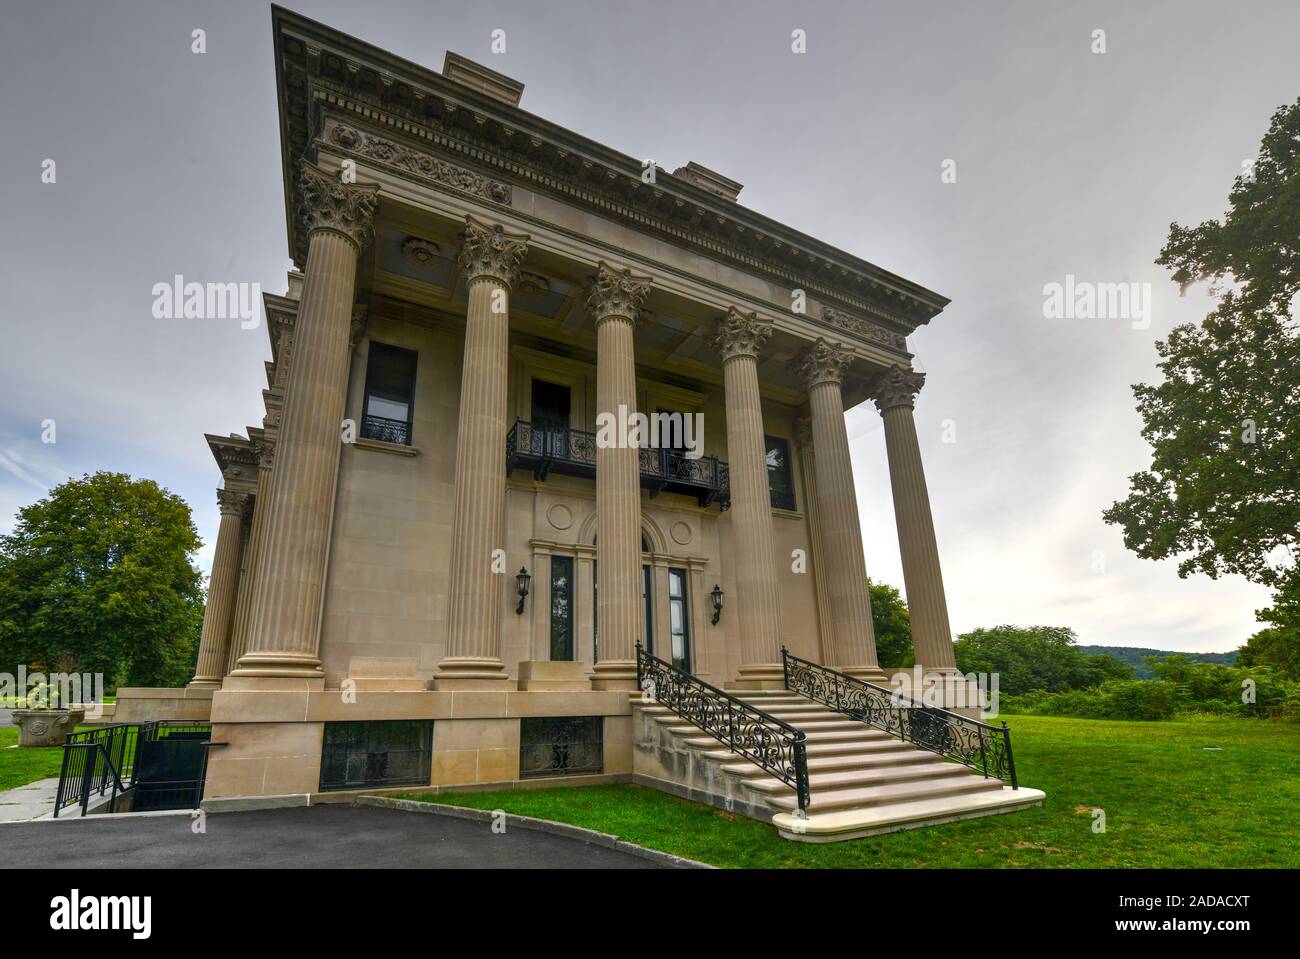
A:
[308,837]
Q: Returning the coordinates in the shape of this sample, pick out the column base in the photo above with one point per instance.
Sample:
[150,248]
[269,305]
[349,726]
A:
[471,672]
[204,682]
[868,674]
[288,665]
[760,676]
[614,674]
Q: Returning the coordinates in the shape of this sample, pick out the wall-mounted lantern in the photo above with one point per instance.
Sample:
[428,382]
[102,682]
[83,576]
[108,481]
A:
[717,595]
[523,579]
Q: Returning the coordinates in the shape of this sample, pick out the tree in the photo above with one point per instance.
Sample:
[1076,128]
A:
[1277,648]
[1221,492]
[98,577]
[893,625]
[1031,658]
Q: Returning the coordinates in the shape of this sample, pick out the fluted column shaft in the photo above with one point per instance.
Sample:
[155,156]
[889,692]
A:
[223,589]
[284,631]
[248,574]
[490,260]
[841,531]
[808,464]
[922,577]
[739,339]
[614,301]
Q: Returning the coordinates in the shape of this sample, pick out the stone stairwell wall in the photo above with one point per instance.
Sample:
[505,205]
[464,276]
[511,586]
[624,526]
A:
[662,760]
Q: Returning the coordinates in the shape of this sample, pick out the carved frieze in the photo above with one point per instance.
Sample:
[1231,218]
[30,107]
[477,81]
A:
[863,328]
[740,334]
[896,386]
[404,158]
[616,293]
[492,252]
[420,252]
[327,203]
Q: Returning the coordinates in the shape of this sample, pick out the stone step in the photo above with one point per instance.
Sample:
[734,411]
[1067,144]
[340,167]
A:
[839,825]
[854,778]
[850,761]
[819,742]
[865,796]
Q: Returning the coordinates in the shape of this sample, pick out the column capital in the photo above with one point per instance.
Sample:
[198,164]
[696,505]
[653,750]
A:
[740,334]
[489,251]
[326,203]
[232,503]
[823,362]
[896,386]
[264,449]
[616,294]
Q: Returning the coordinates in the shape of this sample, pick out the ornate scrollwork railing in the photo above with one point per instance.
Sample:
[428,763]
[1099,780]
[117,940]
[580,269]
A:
[546,447]
[746,730]
[983,747]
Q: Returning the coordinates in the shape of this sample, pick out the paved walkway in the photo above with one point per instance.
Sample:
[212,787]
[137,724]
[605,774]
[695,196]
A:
[28,802]
[311,837]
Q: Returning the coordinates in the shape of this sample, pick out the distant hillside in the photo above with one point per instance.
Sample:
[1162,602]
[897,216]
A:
[1134,654]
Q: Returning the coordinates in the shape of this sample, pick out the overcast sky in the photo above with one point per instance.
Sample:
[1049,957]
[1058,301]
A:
[1067,162]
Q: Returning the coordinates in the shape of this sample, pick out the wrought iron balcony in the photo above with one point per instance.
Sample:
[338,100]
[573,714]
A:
[386,430]
[555,449]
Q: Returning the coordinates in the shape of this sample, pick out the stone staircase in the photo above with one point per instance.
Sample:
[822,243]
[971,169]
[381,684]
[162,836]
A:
[862,781]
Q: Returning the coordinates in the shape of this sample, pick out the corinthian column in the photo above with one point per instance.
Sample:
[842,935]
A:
[895,394]
[738,339]
[614,300]
[265,450]
[823,366]
[490,260]
[223,588]
[284,627]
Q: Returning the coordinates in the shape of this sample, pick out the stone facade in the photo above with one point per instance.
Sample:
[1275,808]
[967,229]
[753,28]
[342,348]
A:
[367,566]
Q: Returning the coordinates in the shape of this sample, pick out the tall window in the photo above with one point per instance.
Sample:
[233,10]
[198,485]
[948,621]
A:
[561,608]
[390,394]
[679,629]
[779,481]
[550,411]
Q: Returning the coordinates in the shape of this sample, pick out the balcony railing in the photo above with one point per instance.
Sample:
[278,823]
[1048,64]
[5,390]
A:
[546,449]
[386,430]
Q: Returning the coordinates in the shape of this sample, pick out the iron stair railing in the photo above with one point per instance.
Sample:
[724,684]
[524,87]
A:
[768,742]
[970,742]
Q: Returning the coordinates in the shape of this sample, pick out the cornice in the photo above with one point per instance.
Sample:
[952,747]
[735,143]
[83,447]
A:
[318,68]
[237,460]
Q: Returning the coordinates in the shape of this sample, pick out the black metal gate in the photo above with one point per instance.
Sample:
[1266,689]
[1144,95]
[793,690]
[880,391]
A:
[170,767]
[159,765]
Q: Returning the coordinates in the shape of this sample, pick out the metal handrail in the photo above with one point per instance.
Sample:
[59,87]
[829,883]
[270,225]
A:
[954,736]
[768,742]
[96,748]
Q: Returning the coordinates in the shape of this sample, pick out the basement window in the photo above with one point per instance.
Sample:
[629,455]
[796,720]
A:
[360,755]
[561,746]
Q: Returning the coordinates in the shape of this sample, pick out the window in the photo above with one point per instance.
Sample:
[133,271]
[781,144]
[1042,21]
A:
[390,394]
[561,746]
[679,630]
[388,753]
[562,608]
[779,481]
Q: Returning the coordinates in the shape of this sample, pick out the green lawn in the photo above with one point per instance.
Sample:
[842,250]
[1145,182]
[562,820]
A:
[1169,802]
[18,767]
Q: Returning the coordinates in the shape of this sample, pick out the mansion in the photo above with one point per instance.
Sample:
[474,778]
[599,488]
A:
[432,571]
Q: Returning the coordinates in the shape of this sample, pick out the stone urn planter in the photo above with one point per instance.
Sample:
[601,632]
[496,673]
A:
[46,727]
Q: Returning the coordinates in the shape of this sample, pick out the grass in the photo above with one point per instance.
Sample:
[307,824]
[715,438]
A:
[1168,802]
[18,767]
